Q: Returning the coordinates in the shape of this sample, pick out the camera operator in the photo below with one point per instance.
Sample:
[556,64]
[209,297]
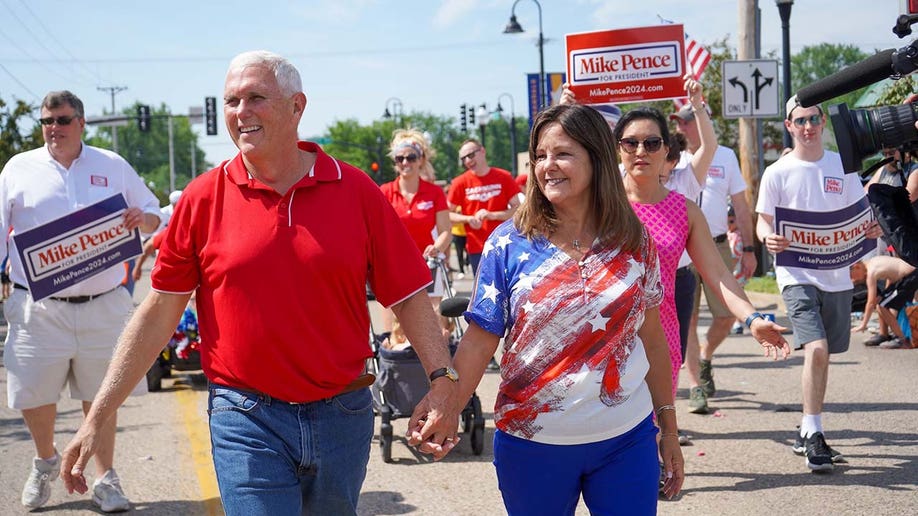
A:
[818,301]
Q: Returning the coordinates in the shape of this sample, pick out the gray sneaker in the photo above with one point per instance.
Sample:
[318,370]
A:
[707,377]
[107,493]
[698,402]
[37,488]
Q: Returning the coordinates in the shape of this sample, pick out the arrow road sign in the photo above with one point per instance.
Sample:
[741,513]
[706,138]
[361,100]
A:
[751,89]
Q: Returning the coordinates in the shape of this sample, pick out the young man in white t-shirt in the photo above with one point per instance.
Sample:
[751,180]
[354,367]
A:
[818,301]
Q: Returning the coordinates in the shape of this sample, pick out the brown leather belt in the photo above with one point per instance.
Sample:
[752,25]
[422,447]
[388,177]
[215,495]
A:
[362,381]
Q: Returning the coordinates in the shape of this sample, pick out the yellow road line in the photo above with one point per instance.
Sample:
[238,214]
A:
[199,439]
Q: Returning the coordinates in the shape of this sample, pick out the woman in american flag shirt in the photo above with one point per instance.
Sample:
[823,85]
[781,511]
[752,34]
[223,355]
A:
[572,285]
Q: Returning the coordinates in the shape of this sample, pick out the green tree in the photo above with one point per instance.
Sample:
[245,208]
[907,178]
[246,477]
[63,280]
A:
[19,130]
[815,62]
[148,152]
[363,145]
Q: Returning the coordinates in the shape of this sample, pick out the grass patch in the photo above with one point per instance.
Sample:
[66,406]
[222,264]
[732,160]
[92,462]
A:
[762,284]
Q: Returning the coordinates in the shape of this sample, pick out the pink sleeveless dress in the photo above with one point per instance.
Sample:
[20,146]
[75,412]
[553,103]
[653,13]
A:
[667,223]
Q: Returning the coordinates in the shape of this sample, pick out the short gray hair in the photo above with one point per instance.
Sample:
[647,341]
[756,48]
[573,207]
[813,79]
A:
[56,99]
[288,78]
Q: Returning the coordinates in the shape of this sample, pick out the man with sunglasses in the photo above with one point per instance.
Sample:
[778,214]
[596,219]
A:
[485,196]
[818,301]
[68,338]
[722,187]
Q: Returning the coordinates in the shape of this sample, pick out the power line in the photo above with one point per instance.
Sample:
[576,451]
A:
[66,50]
[323,54]
[38,40]
[21,85]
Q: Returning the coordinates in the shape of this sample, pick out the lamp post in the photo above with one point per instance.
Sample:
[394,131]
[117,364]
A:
[396,111]
[784,9]
[513,27]
[500,110]
[482,115]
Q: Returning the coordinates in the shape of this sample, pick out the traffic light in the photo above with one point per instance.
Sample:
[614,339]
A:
[462,121]
[143,118]
[210,115]
[472,116]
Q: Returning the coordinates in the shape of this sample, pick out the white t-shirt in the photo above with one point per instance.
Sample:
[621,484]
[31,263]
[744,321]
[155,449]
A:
[36,189]
[812,186]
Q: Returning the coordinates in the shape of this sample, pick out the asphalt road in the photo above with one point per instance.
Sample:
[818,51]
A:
[739,461]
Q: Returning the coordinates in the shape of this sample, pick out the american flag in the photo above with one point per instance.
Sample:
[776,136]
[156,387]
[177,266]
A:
[697,58]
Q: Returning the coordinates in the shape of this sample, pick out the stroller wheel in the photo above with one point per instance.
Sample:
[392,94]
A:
[467,418]
[385,442]
[478,426]
[155,378]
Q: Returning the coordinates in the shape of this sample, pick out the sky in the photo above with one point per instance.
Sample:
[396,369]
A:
[358,57]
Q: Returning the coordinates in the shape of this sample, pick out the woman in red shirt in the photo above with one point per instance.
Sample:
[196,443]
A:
[419,203]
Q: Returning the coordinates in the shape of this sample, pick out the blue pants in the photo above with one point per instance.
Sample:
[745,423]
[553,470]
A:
[616,476]
[273,457]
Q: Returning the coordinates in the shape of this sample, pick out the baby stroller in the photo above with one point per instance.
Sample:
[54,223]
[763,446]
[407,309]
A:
[181,353]
[401,381]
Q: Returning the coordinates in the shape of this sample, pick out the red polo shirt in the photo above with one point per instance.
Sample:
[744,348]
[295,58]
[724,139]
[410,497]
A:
[281,280]
[493,192]
[420,215]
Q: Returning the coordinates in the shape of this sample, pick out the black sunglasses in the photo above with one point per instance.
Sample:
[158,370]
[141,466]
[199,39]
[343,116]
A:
[652,144]
[411,158]
[469,155]
[60,120]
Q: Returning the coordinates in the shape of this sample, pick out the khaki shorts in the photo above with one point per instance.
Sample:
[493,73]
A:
[716,307]
[52,344]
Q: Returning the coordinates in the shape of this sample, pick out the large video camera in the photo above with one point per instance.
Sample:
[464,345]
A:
[860,133]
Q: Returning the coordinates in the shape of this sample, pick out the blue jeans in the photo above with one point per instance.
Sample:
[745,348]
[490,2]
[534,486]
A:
[273,457]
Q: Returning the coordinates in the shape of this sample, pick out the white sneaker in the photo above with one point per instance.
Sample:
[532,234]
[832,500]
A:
[37,488]
[107,493]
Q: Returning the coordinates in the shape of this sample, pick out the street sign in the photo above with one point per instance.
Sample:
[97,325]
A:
[109,121]
[195,115]
[751,89]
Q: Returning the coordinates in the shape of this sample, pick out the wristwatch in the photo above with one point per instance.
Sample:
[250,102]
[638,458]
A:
[748,249]
[753,316]
[448,372]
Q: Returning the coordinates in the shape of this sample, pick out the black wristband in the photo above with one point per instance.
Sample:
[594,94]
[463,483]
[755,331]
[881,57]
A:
[748,249]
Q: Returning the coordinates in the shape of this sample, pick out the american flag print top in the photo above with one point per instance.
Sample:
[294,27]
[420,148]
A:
[573,365]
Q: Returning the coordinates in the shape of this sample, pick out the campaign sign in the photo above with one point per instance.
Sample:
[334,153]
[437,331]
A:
[77,246]
[627,65]
[824,240]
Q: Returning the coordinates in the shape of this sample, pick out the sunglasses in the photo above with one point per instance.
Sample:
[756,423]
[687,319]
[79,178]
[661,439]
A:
[469,155]
[812,119]
[411,158]
[630,145]
[60,120]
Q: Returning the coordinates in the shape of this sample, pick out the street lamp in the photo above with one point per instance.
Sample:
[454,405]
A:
[396,111]
[500,110]
[513,27]
[482,115]
[784,9]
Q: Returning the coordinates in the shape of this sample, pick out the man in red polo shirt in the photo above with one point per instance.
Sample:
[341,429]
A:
[485,195]
[279,243]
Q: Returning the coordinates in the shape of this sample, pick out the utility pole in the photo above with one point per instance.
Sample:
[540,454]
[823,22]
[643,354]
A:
[748,131]
[113,90]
